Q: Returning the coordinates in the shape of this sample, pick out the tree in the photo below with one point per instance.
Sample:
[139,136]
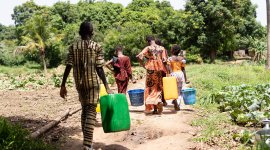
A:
[39,34]
[217,29]
[23,12]
[103,14]
[7,32]
[268,34]
[67,11]
[131,36]
[139,5]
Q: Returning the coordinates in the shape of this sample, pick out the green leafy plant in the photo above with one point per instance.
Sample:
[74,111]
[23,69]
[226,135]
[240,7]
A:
[247,105]
[245,137]
[14,137]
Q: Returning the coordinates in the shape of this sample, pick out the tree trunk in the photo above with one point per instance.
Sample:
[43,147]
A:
[213,54]
[268,34]
[44,63]
[53,123]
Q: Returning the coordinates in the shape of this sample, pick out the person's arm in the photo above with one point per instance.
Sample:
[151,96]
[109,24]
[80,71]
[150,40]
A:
[183,61]
[99,68]
[63,90]
[169,68]
[102,76]
[164,59]
[65,76]
[108,65]
[141,63]
[140,56]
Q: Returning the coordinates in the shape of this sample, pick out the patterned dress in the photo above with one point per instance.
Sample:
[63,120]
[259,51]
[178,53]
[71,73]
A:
[155,56]
[122,72]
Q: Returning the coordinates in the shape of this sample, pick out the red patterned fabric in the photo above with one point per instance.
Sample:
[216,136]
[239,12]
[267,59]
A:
[122,73]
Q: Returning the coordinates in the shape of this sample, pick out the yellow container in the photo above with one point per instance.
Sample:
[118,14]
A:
[98,108]
[170,89]
[102,92]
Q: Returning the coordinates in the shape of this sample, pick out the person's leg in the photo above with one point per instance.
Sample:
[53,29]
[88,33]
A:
[118,83]
[124,86]
[176,106]
[159,108]
[160,89]
[163,100]
[155,109]
[88,123]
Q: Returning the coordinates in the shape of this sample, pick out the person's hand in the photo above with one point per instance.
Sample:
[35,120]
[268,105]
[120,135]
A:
[134,81]
[63,92]
[109,91]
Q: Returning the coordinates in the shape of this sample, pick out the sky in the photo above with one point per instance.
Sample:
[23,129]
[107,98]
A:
[6,7]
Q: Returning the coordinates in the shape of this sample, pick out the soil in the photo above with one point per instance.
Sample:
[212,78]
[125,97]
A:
[34,109]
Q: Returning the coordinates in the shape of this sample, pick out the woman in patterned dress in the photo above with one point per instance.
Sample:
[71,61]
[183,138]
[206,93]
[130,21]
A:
[155,56]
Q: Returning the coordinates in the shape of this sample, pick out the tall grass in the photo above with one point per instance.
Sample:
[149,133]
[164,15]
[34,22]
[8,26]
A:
[209,78]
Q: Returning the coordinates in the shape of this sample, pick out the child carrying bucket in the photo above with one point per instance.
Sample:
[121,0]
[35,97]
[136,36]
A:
[176,64]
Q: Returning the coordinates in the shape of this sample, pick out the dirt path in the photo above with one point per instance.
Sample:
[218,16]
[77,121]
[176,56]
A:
[33,109]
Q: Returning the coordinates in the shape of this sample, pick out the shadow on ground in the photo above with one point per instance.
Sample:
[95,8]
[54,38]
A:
[103,146]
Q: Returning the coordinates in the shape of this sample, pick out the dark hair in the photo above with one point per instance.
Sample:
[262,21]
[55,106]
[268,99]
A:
[150,38]
[176,49]
[118,48]
[158,42]
[86,29]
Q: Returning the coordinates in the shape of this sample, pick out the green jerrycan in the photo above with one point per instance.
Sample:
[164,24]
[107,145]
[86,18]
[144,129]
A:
[114,113]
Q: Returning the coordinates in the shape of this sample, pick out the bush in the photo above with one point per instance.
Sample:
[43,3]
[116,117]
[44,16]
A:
[14,137]
[194,58]
[8,57]
[55,54]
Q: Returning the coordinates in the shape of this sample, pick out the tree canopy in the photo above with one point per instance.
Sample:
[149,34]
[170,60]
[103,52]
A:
[205,28]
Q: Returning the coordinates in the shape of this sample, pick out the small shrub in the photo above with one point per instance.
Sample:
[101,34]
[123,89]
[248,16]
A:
[8,57]
[14,137]
[194,58]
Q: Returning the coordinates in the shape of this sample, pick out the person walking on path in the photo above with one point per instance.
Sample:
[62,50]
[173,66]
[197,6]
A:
[86,58]
[121,69]
[176,64]
[156,57]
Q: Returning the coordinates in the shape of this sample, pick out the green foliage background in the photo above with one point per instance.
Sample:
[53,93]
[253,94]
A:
[206,29]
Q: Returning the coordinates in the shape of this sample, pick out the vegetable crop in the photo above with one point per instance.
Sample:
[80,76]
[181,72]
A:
[247,105]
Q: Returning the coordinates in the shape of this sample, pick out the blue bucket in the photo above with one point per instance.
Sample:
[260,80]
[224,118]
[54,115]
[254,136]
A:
[136,97]
[189,96]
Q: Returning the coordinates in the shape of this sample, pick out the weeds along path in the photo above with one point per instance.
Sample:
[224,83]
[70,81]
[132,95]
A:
[33,109]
